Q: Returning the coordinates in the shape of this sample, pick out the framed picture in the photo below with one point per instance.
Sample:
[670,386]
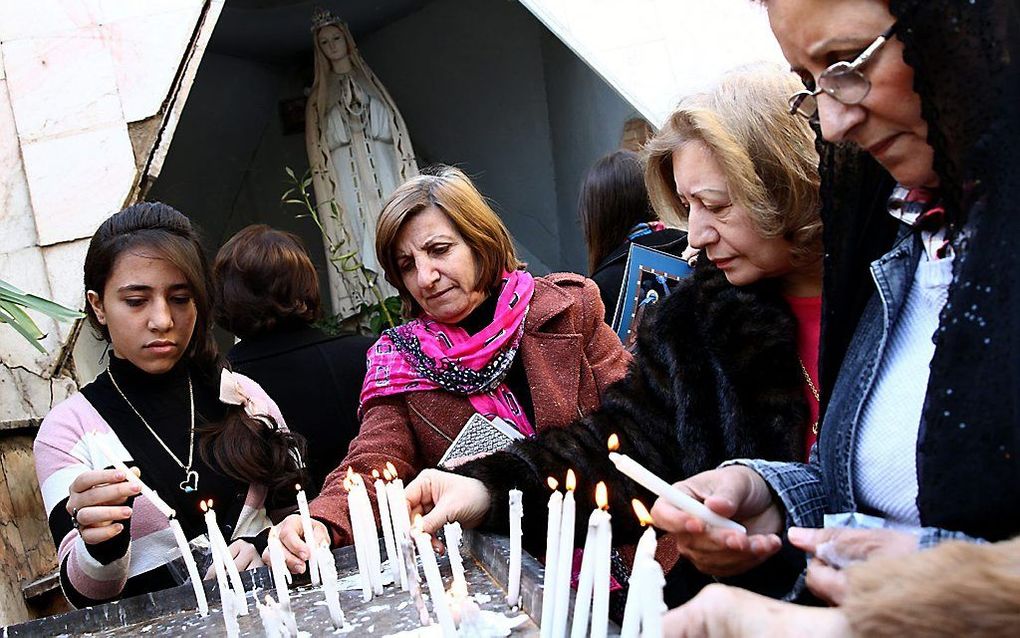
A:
[649,276]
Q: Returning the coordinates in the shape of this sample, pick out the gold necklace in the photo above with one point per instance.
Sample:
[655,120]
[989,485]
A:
[190,482]
[814,392]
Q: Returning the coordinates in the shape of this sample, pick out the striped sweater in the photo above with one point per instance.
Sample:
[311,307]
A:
[93,573]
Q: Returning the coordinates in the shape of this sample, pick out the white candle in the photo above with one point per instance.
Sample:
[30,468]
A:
[189,563]
[330,586]
[217,541]
[565,559]
[356,513]
[675,497]
[272,618]
[398,531]
[130,476]
[411,571]
[281,576]
[639,576]
[653,606]
[387,525]
[440,604]
[371,535]
[552,543]
[513,588]
[586,579]
[227,603]
[402,524]
[603,552]
[309,532]
[454,533]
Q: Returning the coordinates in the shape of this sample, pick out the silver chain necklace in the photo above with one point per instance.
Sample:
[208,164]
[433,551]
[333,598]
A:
[190,482]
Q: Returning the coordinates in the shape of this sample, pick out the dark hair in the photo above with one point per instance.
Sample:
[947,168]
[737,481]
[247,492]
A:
[613,199]
[239,445]
[264,279]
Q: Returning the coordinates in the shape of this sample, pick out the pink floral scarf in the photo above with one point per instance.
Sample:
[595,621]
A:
[425,354]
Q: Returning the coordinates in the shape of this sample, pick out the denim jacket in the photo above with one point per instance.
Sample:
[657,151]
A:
[825,484]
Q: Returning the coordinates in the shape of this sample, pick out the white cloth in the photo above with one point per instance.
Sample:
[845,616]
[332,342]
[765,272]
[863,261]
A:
[885,447]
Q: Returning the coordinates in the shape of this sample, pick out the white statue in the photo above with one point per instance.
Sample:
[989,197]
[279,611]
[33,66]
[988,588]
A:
[359,151]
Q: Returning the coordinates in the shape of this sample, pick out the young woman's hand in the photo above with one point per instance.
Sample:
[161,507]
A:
[441,497]
[738,493]
[96,503]
[296,549]
[245,557]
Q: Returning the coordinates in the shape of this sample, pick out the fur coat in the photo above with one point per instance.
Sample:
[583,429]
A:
[715,377]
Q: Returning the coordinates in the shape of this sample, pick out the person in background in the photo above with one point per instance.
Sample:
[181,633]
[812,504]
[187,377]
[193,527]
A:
[484,337]
[268,296]
[166,405]
[615,212]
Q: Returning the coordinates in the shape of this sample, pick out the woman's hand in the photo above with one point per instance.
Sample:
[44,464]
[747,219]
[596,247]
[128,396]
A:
[245,557]
[738,493]
[296,550]
[442,498]
[836,548]
[723,612]
[96,501]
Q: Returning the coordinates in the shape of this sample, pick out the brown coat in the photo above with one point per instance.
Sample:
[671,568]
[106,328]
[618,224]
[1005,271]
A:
[570,356]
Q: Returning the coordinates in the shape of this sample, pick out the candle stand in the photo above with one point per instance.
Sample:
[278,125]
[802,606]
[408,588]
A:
[172,612]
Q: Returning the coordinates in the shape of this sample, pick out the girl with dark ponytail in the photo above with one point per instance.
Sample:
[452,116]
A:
[166,405]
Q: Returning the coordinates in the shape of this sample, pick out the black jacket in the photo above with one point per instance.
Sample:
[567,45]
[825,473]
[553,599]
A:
[608,275]
[715,377]
[316,380]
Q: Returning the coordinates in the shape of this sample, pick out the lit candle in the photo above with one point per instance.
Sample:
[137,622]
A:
[552,543]
[357,516]
[387,525]
[309,532]
[513,588]
[130,476]
[330,584]
[371,535]
[639,577]
[453,533]
[281,576]
[189,563]
[227,603]
[218,543]
[401,525]
[603,550]
[565,558]
[440,604]
[659,487]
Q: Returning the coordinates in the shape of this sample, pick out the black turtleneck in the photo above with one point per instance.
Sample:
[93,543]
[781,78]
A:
[516,378]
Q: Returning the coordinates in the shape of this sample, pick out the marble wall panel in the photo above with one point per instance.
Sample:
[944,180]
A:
[61,84]
[64,265]
[78,181]
[34,18]
[147,49]
[17,226]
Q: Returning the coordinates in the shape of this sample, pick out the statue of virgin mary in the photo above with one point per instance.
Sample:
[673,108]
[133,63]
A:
[359,151]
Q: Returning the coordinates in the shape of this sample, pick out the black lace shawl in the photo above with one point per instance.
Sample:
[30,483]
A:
[966,59]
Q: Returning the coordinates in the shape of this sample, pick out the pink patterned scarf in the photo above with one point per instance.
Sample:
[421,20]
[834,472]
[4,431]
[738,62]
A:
[425,354]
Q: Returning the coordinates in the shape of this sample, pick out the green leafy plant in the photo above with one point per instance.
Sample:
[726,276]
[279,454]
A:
[385,313]
[13,303]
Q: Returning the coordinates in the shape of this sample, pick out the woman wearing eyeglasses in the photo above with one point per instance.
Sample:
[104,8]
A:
[922,426]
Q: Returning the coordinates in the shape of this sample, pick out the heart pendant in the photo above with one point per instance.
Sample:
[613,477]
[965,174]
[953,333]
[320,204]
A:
[190,482]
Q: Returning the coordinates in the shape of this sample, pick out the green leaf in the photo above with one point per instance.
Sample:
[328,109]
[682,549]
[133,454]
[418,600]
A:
[290,172]
[29,333]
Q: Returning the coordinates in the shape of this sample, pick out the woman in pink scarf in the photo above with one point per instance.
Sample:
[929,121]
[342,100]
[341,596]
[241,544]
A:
[486,337]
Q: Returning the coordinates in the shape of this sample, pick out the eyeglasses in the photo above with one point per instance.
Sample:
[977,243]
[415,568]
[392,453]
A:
[843,81]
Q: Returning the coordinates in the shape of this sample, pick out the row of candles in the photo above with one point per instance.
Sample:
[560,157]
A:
[644,605]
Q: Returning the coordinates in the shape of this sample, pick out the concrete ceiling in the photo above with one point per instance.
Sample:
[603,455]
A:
[279,29]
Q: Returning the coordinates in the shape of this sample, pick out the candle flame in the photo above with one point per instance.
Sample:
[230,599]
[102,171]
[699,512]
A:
[203,506]
[297,487]
[571,481]
[375,474]
[614,442]
[393,470]
[642,512]
[386,475]
[553,483]
[601,495]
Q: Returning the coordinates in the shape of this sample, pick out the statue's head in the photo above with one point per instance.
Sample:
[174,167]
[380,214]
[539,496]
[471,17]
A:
[332,37]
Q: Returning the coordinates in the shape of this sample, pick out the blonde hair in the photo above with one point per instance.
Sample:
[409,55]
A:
[453,192]
[767,155]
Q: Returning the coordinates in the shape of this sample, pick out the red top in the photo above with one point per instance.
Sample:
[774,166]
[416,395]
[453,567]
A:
[808,311]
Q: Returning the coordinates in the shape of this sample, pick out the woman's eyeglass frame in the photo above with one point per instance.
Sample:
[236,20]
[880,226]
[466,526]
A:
[805,103]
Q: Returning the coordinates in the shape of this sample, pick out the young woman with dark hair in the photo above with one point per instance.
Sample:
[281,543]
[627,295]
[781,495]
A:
[267,294]
[164,396]
[615,212]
